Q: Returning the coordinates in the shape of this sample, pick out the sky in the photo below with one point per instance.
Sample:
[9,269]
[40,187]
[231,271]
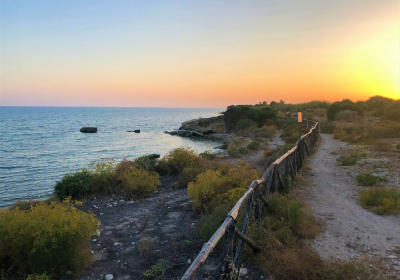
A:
[197,53]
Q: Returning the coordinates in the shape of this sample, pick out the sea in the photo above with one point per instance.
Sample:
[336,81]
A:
[40,145]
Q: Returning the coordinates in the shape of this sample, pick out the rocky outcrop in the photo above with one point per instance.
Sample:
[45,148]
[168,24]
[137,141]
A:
[88,129]
[205,126]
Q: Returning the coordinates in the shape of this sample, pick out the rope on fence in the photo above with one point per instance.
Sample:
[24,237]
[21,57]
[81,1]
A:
[287,164]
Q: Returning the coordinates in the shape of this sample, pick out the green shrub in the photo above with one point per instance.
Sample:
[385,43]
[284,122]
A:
[359,151]
[392,112]
[76,185]
[213,188]
[157,270]
[292,138]
[245,124]
[328,127]
[259,115]
[385,129]
[347,116]
[336,107]
[47,238]
[346,161]
[103,174]
[288,182]
[38,277]
[123,167]
[253,145]
[209,223]
[178,159]
[146,162]
[377,104]
[208,155]
[382,200]
[368,179]
[187,176]
[138,183]
[238,145]
[233,152]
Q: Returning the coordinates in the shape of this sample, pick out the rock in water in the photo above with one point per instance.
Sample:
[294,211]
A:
[88,129]
[109,277]
[136,131]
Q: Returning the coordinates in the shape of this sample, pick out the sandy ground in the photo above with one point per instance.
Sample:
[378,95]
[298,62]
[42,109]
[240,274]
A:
[352,232]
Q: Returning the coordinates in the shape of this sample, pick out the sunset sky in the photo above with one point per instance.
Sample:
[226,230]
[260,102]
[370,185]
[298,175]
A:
[197,53]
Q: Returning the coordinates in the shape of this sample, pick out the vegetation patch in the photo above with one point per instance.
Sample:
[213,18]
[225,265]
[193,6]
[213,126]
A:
[343,105]
[382,200]
[240,116]
[328,127]
[284,255]
[346,161]
[369,179]
[46,239]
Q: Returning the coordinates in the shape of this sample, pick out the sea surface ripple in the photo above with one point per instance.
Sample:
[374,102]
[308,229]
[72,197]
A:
[40,145]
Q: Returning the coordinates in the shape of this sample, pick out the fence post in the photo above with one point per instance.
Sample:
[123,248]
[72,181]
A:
[226,266]
[244,228]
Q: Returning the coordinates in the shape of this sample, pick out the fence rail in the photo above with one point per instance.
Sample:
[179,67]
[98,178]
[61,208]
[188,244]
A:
[288,165]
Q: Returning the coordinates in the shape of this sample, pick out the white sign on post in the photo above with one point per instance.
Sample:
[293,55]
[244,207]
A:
[300,117]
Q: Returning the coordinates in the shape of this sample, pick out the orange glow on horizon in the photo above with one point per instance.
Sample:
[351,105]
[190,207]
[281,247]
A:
[354,59]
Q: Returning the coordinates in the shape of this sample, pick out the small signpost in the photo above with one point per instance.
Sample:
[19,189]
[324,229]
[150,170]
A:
[299,120]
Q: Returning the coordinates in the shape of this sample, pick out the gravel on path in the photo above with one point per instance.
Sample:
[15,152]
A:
[351,231]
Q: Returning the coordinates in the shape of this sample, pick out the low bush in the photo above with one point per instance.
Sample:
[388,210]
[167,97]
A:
[253,145]
[382,200]
[348,116]
[291,139]
[43,276]
[337,107]
[138,183]
[238,145]
[235,115]
[47,238]
[208,155]
[359,151]
[147,163]
[213,188]
[209,223]
[385,129]
[382,145]
[392,112]
[245,124]
[103,174]
[265,131]
[288,182]
[368,179]
[76,185]
[178,159]
[346,161]
[328,127]
[187,176]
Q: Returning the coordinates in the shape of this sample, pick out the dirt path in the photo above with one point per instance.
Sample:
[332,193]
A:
[276,140]
[351,231]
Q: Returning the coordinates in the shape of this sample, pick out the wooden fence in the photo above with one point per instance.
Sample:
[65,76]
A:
[287,165]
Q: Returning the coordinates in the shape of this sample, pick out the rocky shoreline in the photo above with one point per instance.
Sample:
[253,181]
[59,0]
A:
[208,128]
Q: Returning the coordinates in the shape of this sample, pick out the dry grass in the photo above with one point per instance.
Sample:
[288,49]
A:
[382,145]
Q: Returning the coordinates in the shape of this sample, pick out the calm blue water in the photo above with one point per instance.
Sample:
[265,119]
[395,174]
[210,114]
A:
[39,145]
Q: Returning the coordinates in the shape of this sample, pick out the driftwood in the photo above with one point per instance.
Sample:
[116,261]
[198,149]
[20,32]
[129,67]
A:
[287,164]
